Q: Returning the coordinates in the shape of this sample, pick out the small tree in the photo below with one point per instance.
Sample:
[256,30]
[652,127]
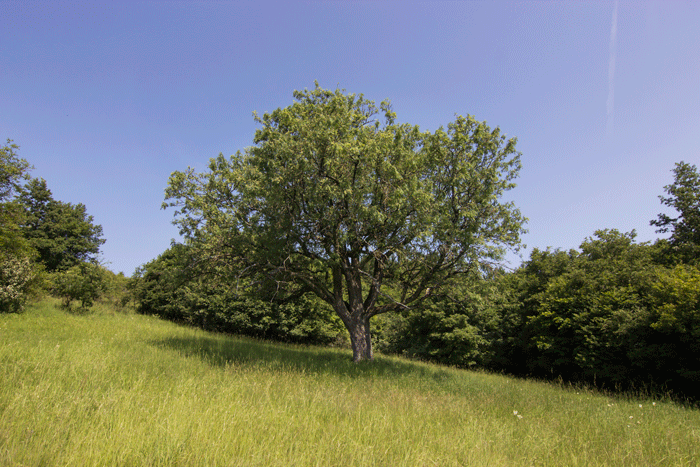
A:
[371,216]
[85,282]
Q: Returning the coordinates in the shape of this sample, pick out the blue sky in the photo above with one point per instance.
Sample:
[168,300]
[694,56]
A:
[107,99]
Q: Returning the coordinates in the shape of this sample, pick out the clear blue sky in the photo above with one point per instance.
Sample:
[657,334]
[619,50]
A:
[107,99]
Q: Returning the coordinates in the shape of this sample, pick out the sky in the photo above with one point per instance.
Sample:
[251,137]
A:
[107,99]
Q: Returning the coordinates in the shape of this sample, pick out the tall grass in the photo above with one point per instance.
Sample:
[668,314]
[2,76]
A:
[128,390]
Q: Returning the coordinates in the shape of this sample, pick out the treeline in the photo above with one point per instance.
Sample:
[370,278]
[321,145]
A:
[47,245]
[614,313]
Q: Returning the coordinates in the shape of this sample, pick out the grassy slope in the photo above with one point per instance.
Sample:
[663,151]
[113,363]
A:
[114,389]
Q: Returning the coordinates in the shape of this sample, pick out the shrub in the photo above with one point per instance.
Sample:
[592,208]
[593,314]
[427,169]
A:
[84,282]
[16,276]
[170,287]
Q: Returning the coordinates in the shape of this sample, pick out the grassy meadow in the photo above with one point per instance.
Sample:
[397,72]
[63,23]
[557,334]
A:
[119,389]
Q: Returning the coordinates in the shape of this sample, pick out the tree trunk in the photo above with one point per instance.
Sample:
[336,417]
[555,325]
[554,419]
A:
[352,312]
[361,340]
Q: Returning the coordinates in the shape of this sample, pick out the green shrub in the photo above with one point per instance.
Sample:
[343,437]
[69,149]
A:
[17,274]
[173,289]
[84,282]
[676,317]
[460,329]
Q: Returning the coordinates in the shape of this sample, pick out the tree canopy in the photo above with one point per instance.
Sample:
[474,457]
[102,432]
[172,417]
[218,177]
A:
[338,199]
[684,198]
[17,271]
[39,233]
[63,234]
[13,170]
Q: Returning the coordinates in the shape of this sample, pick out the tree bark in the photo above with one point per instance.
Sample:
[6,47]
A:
[360,338]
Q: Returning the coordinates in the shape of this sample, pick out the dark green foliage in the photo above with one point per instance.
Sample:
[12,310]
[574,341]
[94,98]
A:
[461,329]
[676,317]
[156,287]
[63,234]
[173,288]
[684,198]
[606,314]
[581,320]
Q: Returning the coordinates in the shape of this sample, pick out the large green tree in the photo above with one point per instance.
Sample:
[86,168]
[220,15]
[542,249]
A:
[63,234]
[17,271]
[337,198]
[14,171]
[684,198]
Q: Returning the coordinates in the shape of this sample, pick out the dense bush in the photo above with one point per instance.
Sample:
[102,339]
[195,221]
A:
[18,273]
[676,319]
[171,287]
[462,328]
[607,314]
[116,291]
[581,323]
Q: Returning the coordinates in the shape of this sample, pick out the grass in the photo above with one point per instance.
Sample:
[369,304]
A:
[119,389]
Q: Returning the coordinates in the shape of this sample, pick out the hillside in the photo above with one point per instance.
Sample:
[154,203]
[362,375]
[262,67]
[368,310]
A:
[121,389]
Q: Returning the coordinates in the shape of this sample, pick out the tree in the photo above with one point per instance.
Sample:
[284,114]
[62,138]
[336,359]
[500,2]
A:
[586,320]
[13,171]
[608,315]
[63,233]
[676,305]
[370,216]
[85,282]
[17,269]
[461,327]
[684,197]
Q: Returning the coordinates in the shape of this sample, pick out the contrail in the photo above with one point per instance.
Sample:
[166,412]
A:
[611,70]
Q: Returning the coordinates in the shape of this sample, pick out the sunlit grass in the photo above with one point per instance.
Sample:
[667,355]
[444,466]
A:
[122,389]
